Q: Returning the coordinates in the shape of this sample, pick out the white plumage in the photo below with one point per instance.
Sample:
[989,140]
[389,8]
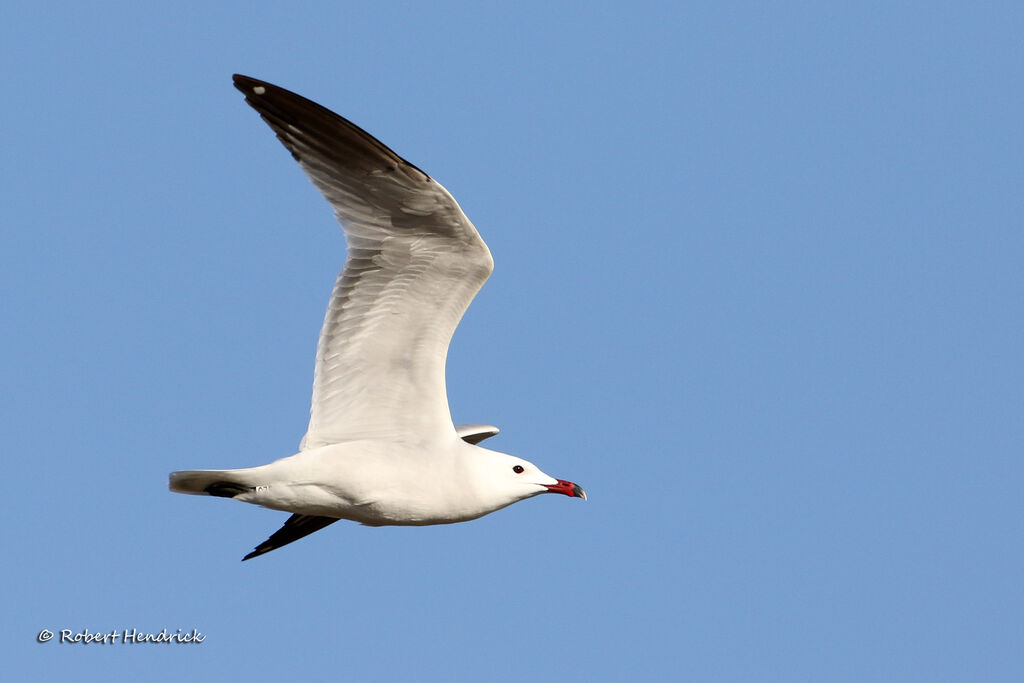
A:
[380,447]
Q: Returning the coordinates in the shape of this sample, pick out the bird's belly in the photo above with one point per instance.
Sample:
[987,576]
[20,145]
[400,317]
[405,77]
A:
[375,483]
[390,506]
[405,513]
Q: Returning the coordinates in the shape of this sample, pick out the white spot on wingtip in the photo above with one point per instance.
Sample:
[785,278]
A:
[259,89]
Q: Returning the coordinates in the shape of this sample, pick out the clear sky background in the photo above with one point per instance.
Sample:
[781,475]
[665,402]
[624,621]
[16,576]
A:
[758,289]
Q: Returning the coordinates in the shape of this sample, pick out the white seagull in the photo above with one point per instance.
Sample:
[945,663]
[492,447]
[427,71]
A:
[380,448]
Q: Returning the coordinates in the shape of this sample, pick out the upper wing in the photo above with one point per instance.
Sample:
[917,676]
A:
[414,264]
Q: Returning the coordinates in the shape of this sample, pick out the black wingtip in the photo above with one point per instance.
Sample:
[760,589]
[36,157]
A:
[293,117]
[255,553]
[253,88]
[296,527]
[247,83]
[266,547]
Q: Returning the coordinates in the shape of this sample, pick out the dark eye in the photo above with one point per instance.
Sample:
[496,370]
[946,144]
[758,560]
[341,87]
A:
[518,469]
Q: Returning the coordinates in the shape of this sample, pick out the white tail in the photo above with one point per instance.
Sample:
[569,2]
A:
[222,483]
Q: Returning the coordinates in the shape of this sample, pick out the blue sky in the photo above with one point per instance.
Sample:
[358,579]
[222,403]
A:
[758,289]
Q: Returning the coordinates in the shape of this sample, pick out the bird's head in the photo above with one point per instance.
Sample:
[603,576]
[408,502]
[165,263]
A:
[515,479]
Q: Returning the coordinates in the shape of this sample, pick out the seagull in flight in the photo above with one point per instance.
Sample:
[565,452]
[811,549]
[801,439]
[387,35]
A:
[380,448]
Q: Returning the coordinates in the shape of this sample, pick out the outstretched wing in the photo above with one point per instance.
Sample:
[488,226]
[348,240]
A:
[414,264]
